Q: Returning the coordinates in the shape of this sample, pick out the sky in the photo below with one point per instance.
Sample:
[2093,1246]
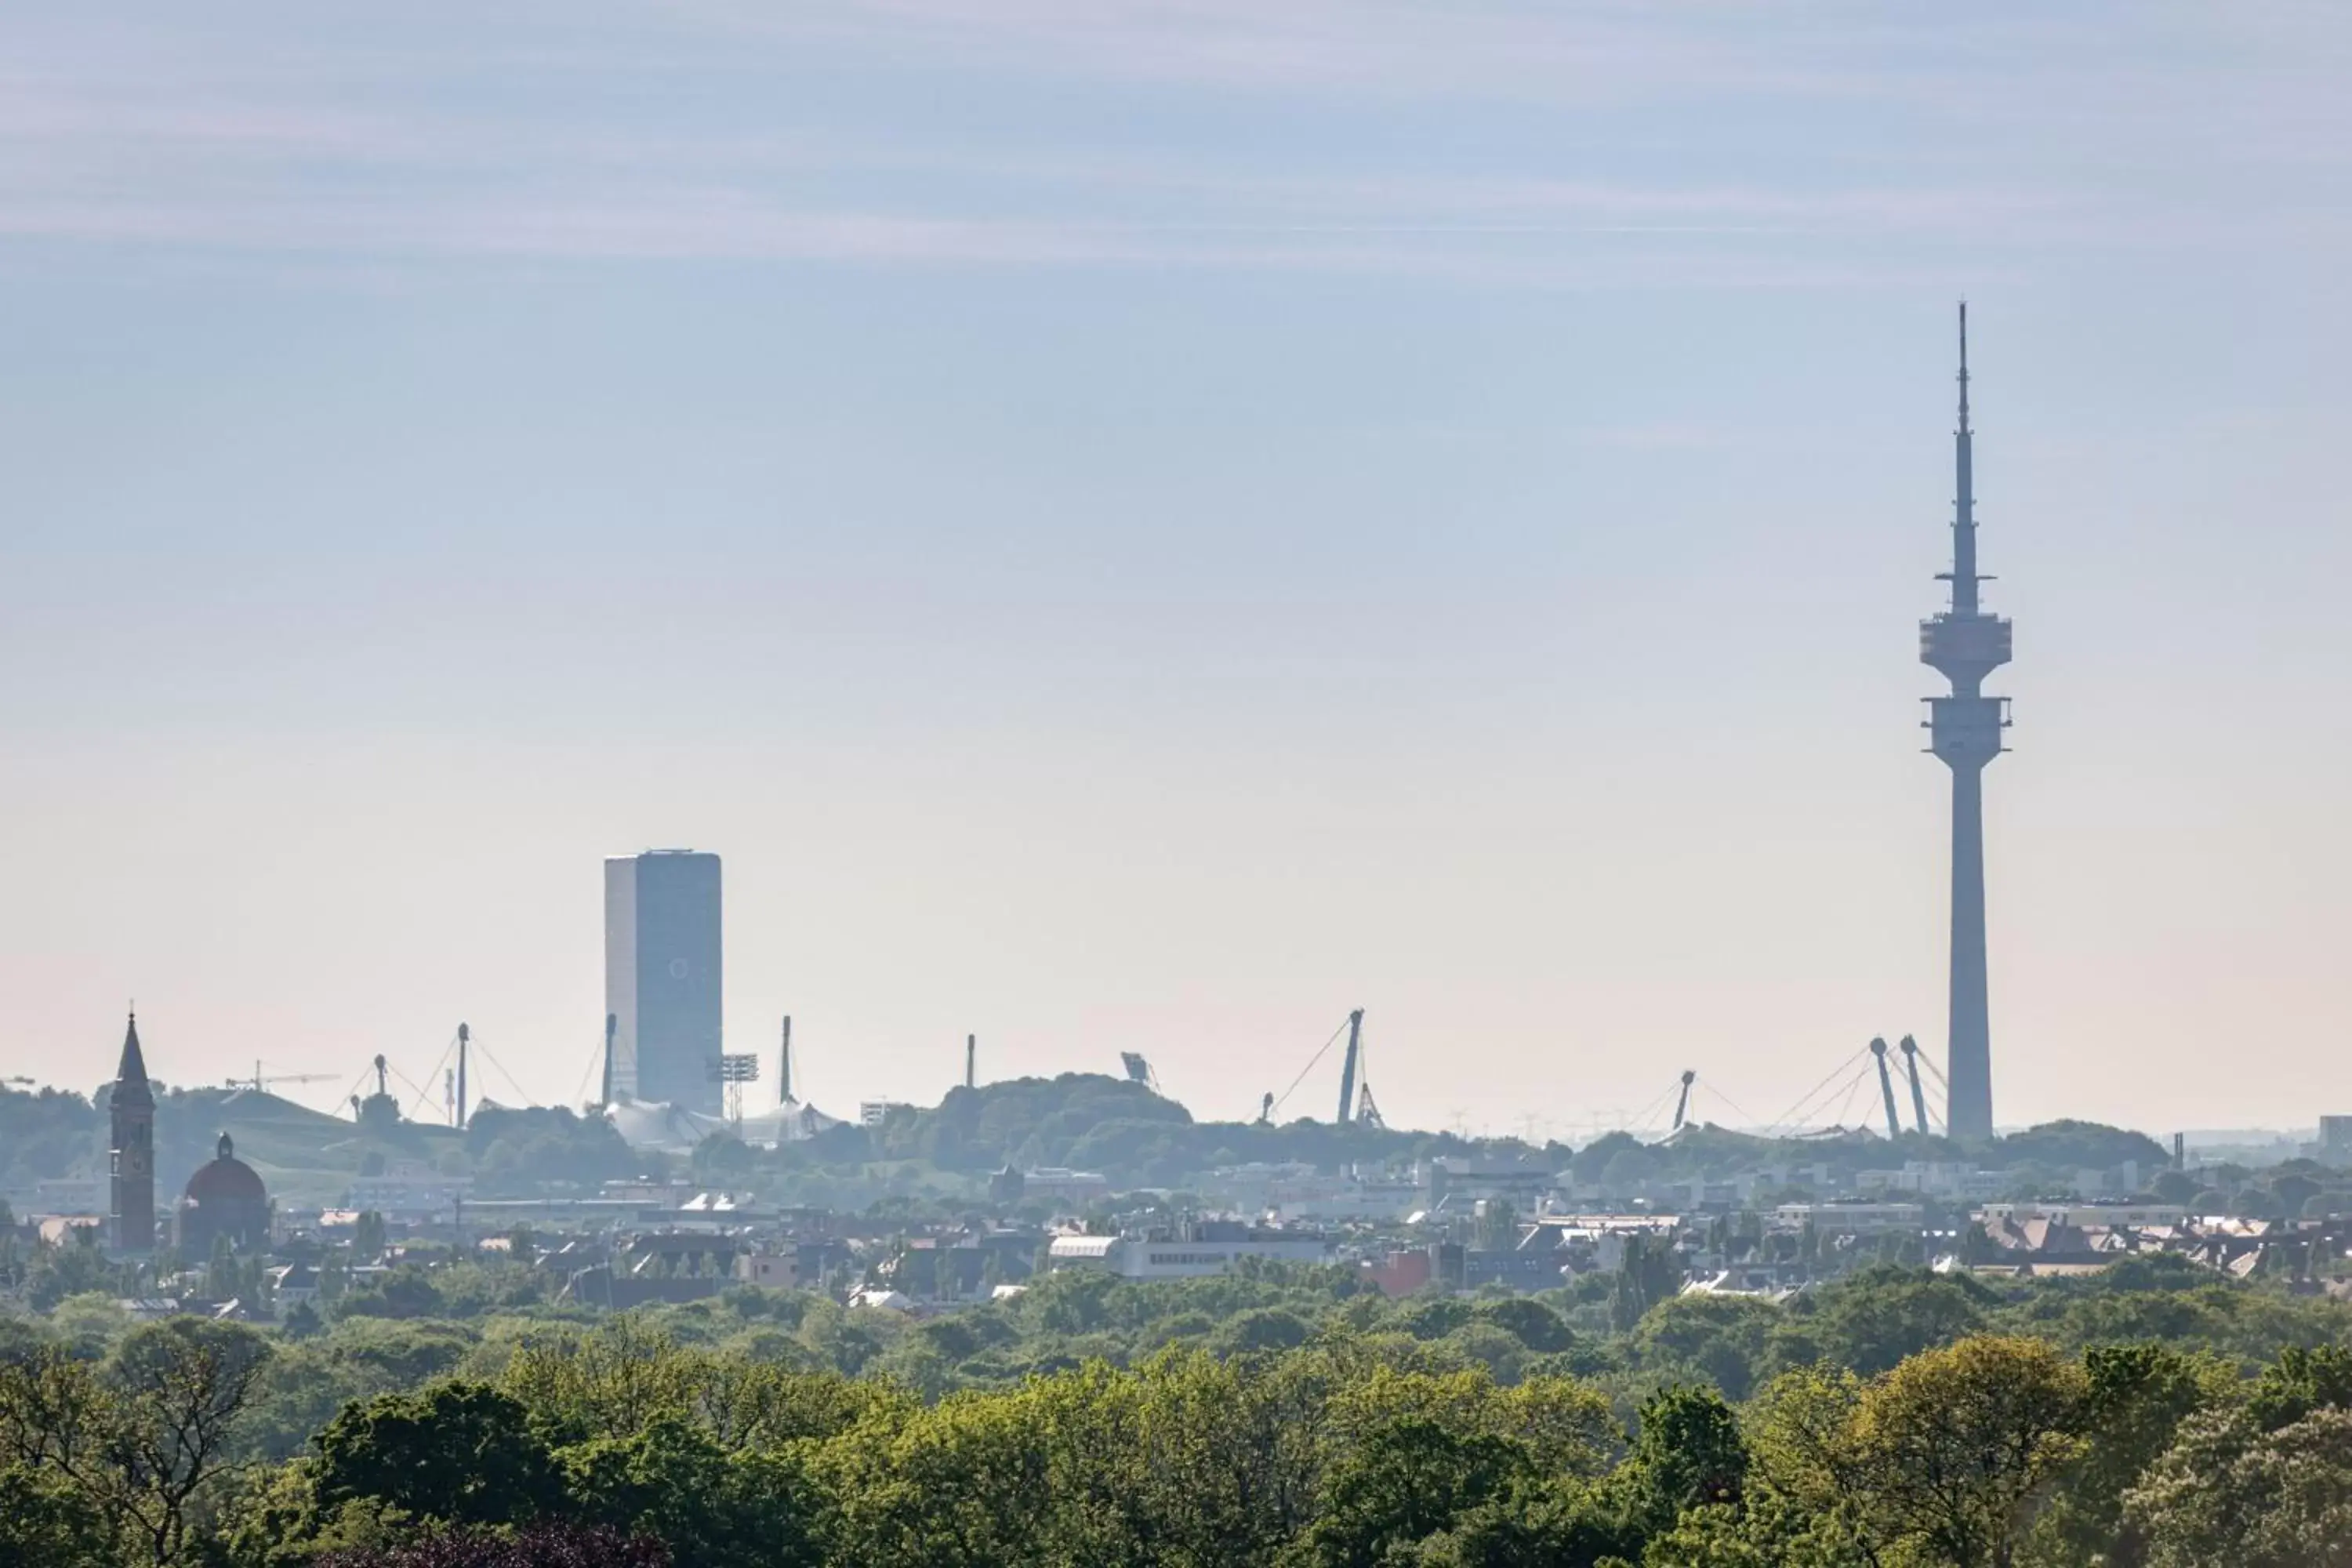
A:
[1146,524]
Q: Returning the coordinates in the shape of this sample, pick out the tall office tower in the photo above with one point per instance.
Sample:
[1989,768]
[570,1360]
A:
[131,1143]
[662,977]
[1965,645]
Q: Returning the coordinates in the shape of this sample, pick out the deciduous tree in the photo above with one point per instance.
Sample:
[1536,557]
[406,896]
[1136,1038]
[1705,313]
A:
[458,1453]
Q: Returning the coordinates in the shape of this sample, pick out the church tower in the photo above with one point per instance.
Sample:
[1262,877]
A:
[131,1107]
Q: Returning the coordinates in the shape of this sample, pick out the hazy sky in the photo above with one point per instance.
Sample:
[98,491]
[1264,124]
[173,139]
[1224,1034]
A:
[1145,525]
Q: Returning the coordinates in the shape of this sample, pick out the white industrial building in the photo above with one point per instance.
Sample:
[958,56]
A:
[1191,1252]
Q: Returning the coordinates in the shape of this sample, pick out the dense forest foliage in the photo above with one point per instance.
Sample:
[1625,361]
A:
[1281,1416]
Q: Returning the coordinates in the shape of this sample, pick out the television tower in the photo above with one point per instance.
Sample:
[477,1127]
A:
[1965,645]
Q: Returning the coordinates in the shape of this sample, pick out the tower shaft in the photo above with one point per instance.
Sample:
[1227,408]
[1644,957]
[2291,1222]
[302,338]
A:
[1969,1110]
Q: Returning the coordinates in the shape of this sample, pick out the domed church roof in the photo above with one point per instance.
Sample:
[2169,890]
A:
[227,1180]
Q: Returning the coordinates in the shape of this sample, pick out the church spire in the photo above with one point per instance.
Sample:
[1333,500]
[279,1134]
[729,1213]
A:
[130,1087]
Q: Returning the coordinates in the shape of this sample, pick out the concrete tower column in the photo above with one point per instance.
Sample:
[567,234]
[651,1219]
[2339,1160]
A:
[1970,1114]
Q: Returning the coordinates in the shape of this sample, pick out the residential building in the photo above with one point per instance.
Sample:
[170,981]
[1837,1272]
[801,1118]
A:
[2083,1214]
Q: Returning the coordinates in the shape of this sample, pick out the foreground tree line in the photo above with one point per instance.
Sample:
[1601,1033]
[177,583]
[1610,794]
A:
[617,1445]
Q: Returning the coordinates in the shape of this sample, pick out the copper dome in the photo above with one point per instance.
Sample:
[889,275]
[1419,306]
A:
[227,1180]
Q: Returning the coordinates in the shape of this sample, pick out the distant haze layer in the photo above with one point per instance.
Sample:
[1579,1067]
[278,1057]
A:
[1147,526]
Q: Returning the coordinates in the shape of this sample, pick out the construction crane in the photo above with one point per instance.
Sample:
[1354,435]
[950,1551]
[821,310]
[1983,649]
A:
[1367,1113]
[1911,1070]
[1138,1070]
[1886,1091]
[259,1082]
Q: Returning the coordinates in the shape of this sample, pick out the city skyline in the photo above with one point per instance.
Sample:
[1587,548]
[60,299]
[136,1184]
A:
[1147,533]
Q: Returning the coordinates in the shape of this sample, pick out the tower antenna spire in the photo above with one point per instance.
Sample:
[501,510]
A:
[1965,577]
[1964,367]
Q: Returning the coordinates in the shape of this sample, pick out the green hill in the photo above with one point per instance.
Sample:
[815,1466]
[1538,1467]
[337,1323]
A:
[304,1156]
[1122,1128]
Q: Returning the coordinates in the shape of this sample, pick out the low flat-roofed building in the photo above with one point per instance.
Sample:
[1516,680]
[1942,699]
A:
[1851,1219]
[1062,1185]
[1082,1252]
[409,1189]
[771,1271]
[1523,1269]
[1187,1252]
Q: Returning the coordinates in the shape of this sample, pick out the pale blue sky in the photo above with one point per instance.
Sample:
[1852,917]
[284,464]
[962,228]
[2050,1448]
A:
[1147,525]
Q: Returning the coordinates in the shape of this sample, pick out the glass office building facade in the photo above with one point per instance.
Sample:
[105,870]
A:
[662,977]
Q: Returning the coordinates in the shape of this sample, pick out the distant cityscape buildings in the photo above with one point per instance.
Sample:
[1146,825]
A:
[662,979]
[1965,645]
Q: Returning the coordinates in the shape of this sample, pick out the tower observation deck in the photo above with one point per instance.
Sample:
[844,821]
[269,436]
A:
[1965,645]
